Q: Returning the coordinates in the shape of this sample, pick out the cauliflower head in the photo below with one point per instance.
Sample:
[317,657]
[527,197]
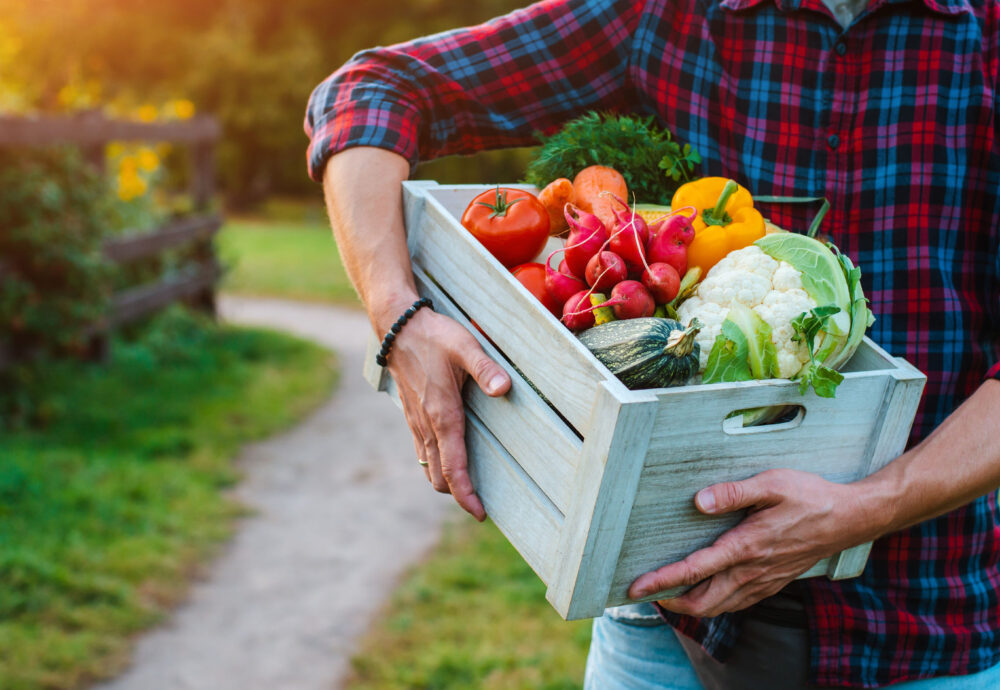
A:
[771,288]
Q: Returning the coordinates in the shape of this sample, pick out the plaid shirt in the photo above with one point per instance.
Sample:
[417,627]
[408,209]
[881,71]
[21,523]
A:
[895,120]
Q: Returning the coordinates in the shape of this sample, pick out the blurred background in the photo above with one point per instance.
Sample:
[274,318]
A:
[152,175]
[250,63]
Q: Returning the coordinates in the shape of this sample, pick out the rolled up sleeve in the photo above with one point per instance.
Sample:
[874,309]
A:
[482,87]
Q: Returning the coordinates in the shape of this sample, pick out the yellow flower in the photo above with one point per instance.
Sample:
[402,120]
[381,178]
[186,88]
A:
[147,113]
[128,165]
[184,109]
[115,149]
[130,186]
[148,160]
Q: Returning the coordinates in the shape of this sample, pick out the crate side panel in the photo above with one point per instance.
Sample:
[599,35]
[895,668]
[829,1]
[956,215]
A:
[549,355]
[523,423]
[515,504]
[665,526]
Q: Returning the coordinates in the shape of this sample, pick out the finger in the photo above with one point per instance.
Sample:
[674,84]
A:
[432,456]
[727,497]
[729,550]
[746,596]
[707,599]
[490,376]
[454,464]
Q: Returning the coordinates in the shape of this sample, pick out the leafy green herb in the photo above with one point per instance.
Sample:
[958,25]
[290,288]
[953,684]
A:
[807,325]
[649,159]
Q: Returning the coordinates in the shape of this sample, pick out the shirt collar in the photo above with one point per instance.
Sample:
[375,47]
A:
[949,7]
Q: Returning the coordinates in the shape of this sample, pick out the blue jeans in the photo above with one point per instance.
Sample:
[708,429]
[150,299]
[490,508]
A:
[633,649]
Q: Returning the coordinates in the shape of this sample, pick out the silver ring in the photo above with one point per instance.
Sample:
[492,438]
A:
[422,463]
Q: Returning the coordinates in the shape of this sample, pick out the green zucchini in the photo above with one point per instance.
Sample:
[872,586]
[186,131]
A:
[646,353]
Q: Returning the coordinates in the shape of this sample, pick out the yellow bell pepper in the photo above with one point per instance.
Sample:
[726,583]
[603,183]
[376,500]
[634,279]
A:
[726,219]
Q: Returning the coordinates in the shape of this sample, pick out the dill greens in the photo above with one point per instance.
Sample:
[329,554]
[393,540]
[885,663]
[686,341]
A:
[653,164]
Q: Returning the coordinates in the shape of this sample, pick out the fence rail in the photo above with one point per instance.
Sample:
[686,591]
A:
[194,282]
[131,247]
[93,128]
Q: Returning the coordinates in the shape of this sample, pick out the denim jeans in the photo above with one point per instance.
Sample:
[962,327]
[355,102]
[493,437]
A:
[634,649]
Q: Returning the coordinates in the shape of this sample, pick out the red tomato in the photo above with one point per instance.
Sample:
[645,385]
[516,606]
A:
[511,223]
[532,276]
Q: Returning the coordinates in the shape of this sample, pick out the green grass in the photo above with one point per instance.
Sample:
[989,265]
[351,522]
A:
[106,511]
[284,255]
[473,615]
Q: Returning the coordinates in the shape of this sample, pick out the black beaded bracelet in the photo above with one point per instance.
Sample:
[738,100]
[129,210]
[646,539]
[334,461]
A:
[387,341]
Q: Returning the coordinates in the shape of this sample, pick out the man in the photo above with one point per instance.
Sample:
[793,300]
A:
[891,114]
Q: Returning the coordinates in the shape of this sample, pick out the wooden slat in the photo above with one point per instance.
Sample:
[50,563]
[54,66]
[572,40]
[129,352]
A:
[138,301]
[603,489]
[550,356]
[515,504]
[140,245]
[46,130]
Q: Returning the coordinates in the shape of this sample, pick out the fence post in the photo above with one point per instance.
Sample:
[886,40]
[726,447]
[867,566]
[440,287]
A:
[202,191]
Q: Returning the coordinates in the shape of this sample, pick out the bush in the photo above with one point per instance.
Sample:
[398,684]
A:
[54,211]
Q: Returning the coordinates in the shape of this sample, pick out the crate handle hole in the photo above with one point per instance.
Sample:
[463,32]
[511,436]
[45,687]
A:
[789,417]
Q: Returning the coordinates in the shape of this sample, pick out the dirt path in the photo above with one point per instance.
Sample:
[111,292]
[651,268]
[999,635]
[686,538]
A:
[341,509]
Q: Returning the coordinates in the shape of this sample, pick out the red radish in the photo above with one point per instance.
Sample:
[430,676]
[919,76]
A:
[629,236]
[662,281]
[578,314]
[636,302]
[587,235]
[668,248]
[675,223]
[605,270]
[561,284]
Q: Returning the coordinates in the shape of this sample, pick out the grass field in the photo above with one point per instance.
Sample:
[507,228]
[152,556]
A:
[105,511]
[282,254]
[473,615]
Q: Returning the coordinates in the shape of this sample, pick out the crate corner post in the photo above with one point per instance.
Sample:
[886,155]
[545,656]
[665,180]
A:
[904,388]
[613,456]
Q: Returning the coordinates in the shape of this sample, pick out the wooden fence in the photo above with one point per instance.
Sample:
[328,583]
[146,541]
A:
[195,282]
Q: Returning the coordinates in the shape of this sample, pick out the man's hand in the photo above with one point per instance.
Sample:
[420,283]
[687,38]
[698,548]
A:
[794,519]
[429,361]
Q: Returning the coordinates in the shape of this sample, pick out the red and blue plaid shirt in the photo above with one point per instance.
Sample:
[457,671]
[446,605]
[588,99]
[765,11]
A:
[895,120]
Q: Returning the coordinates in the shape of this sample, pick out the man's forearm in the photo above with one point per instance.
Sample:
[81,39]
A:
[957,463]
[362,188]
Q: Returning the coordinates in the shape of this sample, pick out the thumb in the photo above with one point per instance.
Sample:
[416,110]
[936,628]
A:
[489,376]
[731,496]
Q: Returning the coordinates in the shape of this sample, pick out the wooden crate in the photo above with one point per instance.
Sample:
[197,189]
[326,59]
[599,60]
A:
[594,483]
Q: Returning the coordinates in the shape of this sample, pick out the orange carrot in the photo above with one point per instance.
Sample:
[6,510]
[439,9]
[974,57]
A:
[588,185]
[554,198]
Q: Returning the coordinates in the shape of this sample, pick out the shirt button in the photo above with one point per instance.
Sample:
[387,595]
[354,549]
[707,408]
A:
[841,49]
[833,140]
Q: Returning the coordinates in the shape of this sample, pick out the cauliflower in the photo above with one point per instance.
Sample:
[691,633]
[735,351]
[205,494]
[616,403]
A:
[771,288]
